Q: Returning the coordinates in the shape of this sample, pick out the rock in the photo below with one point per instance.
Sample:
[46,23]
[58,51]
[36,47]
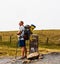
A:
[26,61]
[32,56]
[41,56]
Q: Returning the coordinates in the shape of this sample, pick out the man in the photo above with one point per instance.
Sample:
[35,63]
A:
[21,41]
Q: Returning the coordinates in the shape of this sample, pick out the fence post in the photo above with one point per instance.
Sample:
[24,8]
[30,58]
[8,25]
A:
[47,40]
[10,38]
[0,38]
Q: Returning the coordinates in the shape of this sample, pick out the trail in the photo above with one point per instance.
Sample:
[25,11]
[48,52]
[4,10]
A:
[52,58]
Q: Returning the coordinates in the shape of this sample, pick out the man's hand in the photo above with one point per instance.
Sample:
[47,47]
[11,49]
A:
[19,32]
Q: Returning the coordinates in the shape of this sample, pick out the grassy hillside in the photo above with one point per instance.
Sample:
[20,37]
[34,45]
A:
[49,36]
[45,36]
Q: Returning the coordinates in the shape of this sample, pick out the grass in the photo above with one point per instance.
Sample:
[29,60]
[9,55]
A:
[43,48]
[50,46]
[49,41]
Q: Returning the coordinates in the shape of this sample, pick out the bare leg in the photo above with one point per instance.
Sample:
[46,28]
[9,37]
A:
[23,50]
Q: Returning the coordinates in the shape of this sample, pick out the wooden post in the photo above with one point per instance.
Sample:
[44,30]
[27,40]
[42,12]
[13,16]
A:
[33,44]
[10,38]
[47,40]
[0,38]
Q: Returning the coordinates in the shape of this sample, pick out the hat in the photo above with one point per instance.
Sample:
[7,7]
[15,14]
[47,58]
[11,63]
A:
[33,25]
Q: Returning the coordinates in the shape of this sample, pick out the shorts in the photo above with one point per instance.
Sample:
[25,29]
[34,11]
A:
[21,43]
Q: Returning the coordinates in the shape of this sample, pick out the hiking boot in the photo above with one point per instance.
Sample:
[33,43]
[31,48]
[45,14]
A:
[23,57]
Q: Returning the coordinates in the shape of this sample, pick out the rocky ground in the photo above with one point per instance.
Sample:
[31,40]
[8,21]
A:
[51,58]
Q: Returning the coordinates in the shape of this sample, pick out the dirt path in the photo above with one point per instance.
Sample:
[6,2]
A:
[52,58]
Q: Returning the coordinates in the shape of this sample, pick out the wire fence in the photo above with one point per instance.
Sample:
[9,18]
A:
[11,40]
[8,43]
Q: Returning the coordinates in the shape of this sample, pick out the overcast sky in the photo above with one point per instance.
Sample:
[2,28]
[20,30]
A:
[45,14]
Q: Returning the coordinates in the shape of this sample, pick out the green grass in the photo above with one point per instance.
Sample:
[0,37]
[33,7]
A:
[50,46]
[8,41]
[8,44]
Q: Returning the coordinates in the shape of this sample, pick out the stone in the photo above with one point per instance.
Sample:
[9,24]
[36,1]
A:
[33,45]
[32,56]
[41,56]
[26,61]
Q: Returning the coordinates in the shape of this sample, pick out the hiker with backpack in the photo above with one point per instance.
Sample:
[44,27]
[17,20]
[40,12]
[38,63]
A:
[21,40]
[23,35]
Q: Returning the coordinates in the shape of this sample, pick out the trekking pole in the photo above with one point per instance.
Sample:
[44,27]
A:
[16,50]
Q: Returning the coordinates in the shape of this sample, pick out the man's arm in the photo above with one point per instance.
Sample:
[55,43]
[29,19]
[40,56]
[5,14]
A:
[19,32]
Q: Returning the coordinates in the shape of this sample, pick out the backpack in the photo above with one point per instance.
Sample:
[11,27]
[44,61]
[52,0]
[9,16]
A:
[27,32]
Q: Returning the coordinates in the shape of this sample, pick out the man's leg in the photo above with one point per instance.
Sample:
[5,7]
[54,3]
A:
[22,50]
[25,51]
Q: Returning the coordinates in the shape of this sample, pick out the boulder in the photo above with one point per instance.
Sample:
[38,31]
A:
[32,56]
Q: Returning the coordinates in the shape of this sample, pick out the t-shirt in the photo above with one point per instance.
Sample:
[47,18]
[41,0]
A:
[21,28]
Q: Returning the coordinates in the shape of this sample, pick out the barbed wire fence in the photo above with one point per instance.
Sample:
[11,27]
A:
[10,41]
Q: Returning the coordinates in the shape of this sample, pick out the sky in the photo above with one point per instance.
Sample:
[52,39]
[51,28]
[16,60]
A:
[45,14]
